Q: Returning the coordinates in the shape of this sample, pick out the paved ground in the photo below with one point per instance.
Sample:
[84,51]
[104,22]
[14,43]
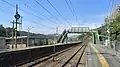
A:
[102,57]
[93,60]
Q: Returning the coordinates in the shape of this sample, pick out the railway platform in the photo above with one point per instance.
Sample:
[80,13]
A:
[101,57]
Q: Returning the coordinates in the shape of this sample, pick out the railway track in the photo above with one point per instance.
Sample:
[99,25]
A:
[75,59]
[35,62]
[67,58]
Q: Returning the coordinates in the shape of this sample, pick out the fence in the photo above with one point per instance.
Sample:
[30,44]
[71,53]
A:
[115,45]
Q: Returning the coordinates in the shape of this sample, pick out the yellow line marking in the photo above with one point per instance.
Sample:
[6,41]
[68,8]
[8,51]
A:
[101,58]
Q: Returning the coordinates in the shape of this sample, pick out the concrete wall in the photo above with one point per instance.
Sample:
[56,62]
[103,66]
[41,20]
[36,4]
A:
[17,57]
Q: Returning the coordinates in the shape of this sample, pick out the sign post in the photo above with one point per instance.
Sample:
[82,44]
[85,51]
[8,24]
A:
[17,16]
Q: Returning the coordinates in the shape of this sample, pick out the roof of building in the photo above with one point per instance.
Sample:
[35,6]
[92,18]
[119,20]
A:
[20,37]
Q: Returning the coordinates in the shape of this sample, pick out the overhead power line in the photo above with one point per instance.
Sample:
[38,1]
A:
[42,25]
[69,7]
[23,11]
[48,11]
[112,6]
[58,12]
[73,10]
[19,8]
[39,13]
[5,10]
[8,3]
[37,23]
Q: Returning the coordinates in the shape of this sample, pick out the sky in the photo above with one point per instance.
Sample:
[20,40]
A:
[89,13]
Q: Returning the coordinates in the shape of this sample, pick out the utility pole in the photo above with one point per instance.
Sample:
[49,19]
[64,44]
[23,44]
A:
[17,16]
[55,39]
[28,36]
[21,26]
[56,33]
[12,33]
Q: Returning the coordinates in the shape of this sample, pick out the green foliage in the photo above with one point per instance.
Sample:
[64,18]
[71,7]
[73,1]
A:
[115,29]
[7,32]
[117,19]
[115,25]
[2,31]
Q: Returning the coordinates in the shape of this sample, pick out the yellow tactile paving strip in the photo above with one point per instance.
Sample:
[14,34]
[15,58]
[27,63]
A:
[103,62]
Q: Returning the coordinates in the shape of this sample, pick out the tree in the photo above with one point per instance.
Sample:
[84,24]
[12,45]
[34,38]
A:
[7,32]
[115,25]
[115,29]
[2,31]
